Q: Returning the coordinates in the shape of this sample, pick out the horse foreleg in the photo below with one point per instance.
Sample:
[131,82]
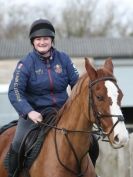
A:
[90,169]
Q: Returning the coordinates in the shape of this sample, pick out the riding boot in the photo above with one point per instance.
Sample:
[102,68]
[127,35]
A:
[13,163]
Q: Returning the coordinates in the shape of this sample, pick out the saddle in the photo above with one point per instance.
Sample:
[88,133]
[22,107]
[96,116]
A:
[33,140]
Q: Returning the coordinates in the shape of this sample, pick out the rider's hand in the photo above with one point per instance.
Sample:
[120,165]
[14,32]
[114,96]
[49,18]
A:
[35,116]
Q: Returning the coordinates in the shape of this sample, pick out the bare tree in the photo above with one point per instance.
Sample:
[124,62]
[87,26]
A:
[102,23]
[20,18]
[83,18]
[1,25]
[124,24]
[16,26]
[76,17]
[2,18]
[91,18]
[79,18]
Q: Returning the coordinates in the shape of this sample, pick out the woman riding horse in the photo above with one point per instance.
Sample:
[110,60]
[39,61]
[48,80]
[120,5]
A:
[40,80]
[96,98]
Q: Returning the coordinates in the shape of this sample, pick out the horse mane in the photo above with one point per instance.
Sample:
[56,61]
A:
[75,92]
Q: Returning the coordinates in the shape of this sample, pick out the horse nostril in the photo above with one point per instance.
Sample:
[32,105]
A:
[116,139]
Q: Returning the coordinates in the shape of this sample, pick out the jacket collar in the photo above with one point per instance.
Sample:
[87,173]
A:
[41,57]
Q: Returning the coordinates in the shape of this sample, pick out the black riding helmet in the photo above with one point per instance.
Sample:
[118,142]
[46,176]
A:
[41,28]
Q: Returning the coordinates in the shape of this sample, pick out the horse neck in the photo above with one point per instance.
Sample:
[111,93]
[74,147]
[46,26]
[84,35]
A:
[75,117]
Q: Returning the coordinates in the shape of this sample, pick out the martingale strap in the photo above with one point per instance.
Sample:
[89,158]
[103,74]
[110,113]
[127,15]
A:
[79,172]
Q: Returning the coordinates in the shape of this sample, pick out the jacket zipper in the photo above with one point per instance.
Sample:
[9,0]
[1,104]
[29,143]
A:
[51,83]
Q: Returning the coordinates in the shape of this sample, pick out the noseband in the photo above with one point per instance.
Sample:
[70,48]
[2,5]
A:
[98,115]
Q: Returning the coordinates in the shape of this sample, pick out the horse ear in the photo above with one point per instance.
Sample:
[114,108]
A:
[90,69]
[109,65]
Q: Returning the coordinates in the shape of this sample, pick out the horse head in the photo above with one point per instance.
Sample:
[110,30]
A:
[105,101]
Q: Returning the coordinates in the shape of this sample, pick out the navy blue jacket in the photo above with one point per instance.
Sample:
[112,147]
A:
[38,83]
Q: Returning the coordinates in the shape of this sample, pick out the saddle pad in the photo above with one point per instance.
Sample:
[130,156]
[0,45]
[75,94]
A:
[9,125]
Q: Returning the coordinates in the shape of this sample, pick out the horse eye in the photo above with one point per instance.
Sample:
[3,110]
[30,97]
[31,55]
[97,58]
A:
[100,98]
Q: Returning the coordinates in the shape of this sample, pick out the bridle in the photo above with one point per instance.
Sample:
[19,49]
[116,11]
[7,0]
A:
[98,115]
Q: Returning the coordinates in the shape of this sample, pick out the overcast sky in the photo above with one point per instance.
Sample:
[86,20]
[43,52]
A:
[124,8]
[59,3]
[127,3]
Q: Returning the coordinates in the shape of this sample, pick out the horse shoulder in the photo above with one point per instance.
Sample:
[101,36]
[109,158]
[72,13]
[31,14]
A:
[6,139]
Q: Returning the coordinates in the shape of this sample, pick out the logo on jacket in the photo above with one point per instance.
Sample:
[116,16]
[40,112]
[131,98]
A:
[58,68]
[39,71]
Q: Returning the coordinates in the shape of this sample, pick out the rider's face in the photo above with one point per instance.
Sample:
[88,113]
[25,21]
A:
[42,44]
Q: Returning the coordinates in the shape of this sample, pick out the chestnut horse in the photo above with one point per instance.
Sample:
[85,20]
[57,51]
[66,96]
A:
[96,98]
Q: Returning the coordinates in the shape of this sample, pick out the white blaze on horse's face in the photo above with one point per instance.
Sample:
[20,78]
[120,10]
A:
[120,131]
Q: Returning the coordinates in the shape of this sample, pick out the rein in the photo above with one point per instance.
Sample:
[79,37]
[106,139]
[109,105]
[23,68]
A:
[64,131]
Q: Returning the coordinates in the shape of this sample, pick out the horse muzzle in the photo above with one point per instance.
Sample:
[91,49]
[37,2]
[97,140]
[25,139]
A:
[120,139]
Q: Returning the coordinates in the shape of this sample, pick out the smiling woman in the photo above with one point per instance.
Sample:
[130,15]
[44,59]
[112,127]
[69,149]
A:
[40,81]
[43,44]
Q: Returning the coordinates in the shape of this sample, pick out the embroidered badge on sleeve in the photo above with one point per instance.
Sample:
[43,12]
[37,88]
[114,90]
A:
[20,66]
